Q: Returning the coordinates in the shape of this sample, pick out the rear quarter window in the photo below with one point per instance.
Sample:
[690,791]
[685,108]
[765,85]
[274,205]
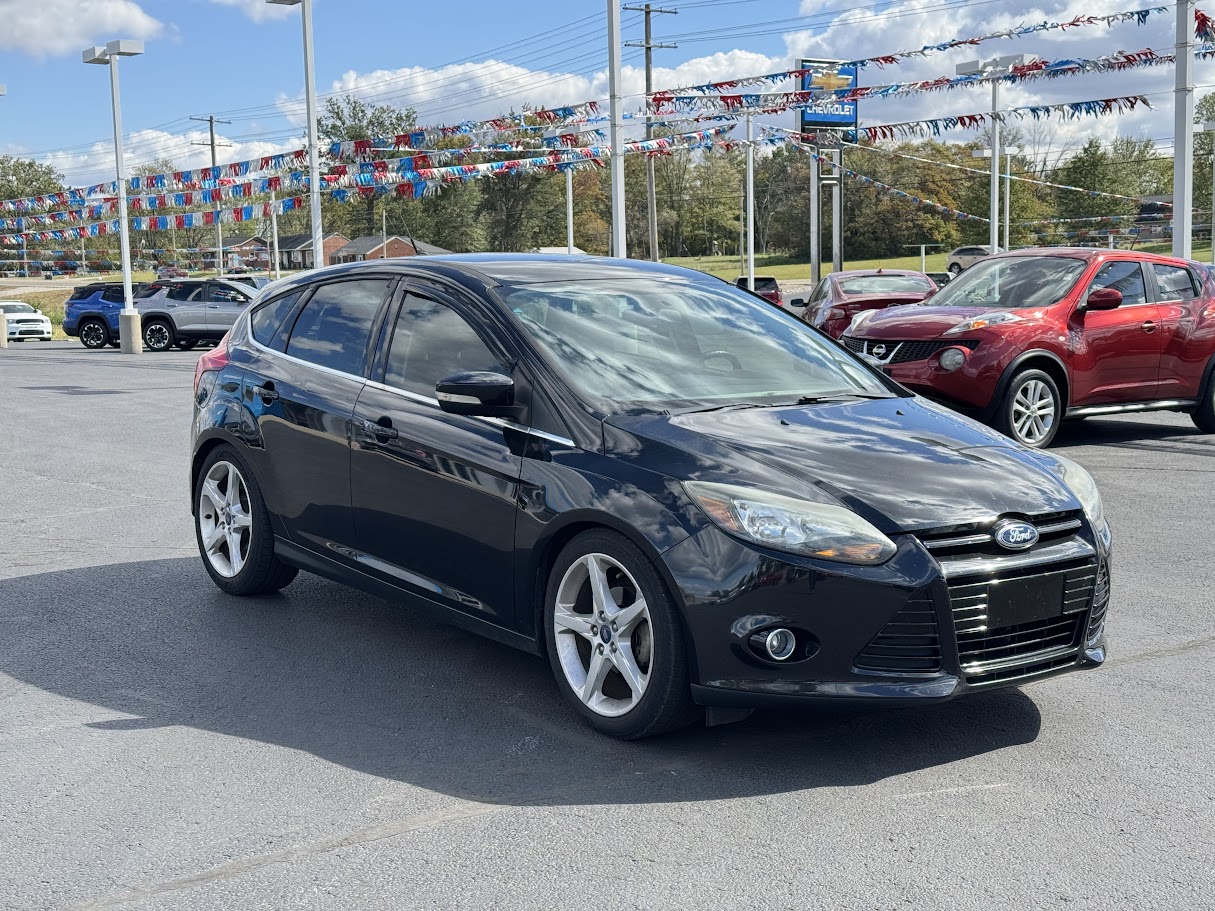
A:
[267,319]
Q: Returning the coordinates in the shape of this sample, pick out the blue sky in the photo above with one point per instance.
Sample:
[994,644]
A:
[242,59]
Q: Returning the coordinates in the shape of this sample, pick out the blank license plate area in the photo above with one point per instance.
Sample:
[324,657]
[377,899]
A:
[1015,601]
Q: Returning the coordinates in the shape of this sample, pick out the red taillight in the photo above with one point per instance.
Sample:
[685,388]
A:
[215,359]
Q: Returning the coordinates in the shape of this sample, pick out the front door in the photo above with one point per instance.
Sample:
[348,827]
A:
[303,396]
[434,494]
[185,300]
[1117,351]
[224,305]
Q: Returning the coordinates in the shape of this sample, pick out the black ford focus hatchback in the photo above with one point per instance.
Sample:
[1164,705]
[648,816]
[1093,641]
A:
[687,500]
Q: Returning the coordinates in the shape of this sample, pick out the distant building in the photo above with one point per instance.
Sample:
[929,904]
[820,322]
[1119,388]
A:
[241,251]
[375,247]
[295,250]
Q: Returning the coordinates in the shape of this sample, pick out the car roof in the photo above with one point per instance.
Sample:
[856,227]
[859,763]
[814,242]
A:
[509,268]
[1091,253]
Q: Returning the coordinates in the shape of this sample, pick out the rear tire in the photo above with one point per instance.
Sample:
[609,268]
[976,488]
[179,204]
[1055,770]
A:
[94,334]
[1031,409]
[232,528]
[956,270]
[158,335]
[631,679]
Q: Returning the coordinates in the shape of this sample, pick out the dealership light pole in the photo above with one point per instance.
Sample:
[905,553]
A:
[1209,127]
[619,245]
[1008,153]
[993,69]
[750,197]
[1183,131]
[3,321]
[314,154]
[129,332]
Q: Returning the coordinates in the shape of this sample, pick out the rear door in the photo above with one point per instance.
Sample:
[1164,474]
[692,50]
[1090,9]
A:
[434,494]
[1183,351]
[224,304]
[302,384]
[1118,352]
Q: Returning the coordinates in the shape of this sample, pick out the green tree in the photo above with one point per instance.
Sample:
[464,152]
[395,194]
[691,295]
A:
[21,177]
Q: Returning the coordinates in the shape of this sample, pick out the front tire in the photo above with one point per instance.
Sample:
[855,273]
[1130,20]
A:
[615,640]
[1204,415]
[232,528]
[1031,409]
[158,335]
[94,334]
[956,269]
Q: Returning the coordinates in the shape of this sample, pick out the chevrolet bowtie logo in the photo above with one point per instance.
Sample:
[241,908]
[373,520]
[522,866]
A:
[830,81]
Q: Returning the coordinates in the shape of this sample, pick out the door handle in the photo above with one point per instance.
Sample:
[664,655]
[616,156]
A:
[381,429]
[1149,326]
[266,393]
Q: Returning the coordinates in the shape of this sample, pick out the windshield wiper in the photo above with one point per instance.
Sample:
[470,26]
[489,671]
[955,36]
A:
[730,406]
[804,400]
[836,396]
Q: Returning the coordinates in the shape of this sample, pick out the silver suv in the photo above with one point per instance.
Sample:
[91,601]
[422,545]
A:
[185,311]
[965,257]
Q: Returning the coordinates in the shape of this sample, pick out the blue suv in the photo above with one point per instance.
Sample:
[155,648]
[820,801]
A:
[91,313]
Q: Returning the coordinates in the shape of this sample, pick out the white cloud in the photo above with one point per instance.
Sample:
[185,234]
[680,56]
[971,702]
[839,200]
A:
[53,27]
[257,10]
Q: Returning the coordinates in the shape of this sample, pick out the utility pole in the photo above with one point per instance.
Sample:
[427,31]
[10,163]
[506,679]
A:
[1183,132]
[384,232]
[219,231]
[649,46]
[615,128]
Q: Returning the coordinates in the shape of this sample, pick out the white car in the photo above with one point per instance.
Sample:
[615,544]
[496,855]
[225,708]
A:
[25,322]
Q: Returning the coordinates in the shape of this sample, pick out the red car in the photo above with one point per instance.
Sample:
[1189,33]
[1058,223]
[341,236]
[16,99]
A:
[1024,340]
[842,295]
[765,286]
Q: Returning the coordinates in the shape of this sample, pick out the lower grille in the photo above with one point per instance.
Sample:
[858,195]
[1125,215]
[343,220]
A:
[902,352]
[909,643]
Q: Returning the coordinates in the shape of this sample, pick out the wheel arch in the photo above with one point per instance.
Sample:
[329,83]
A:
[545,555]
[208,442]
[1035,359]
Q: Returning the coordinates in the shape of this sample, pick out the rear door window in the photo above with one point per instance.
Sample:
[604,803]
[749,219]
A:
[184,291]
[226,295]
[333,328]
[114,294]
[1174,283]
[1125,276]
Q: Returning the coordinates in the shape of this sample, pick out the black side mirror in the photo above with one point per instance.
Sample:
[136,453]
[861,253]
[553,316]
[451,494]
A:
[798,302]
[479,393]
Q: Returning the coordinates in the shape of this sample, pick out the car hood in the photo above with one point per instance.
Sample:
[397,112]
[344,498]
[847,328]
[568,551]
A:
[916,322]
[902,463]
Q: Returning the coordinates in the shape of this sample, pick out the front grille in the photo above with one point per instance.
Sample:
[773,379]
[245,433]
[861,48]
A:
[902,352]
[975,538]
[908,643]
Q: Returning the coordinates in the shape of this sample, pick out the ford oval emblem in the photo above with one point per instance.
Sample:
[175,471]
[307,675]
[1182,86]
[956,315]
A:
[1012,534]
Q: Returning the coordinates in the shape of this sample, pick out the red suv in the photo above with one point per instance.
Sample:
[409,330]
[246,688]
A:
[1023,340]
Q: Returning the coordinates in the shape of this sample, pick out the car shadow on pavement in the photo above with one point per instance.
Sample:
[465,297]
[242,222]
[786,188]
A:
[379,689]
[1137,434]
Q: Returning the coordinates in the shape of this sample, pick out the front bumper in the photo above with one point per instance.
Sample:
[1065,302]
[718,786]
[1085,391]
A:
[35,332]
[898,633]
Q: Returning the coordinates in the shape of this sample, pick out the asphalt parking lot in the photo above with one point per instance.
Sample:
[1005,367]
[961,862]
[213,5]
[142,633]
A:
[163,746]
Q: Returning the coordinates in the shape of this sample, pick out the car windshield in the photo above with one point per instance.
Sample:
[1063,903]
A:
[663,344]
[762,283]
[884,284]
[15,307]
[1016,282]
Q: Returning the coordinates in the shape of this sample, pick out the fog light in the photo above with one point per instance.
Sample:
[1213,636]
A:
[779,644]
[952,358]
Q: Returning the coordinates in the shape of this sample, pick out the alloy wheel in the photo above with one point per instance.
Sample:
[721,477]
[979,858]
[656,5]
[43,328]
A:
[224,521]
[603,635]
[156,337]
[92,335]
[1033,412]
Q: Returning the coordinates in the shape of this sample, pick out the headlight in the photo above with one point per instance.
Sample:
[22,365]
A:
[1081,483]
[797,526]
[982,322]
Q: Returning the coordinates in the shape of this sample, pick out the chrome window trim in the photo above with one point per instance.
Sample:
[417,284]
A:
[405,393]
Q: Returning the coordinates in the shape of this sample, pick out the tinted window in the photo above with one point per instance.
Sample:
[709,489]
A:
[224,295]
[266,320]
[148,290]
[762,283]
[16,308]
[333,328]
[431,342]
[184,291]
[1174,283]
[1126,277]
[114,294]
[885,284]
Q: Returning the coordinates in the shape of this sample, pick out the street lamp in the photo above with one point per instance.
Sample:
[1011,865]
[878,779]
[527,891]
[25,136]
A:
[314,157]
[994,68]
[1008,153]
[128,321]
